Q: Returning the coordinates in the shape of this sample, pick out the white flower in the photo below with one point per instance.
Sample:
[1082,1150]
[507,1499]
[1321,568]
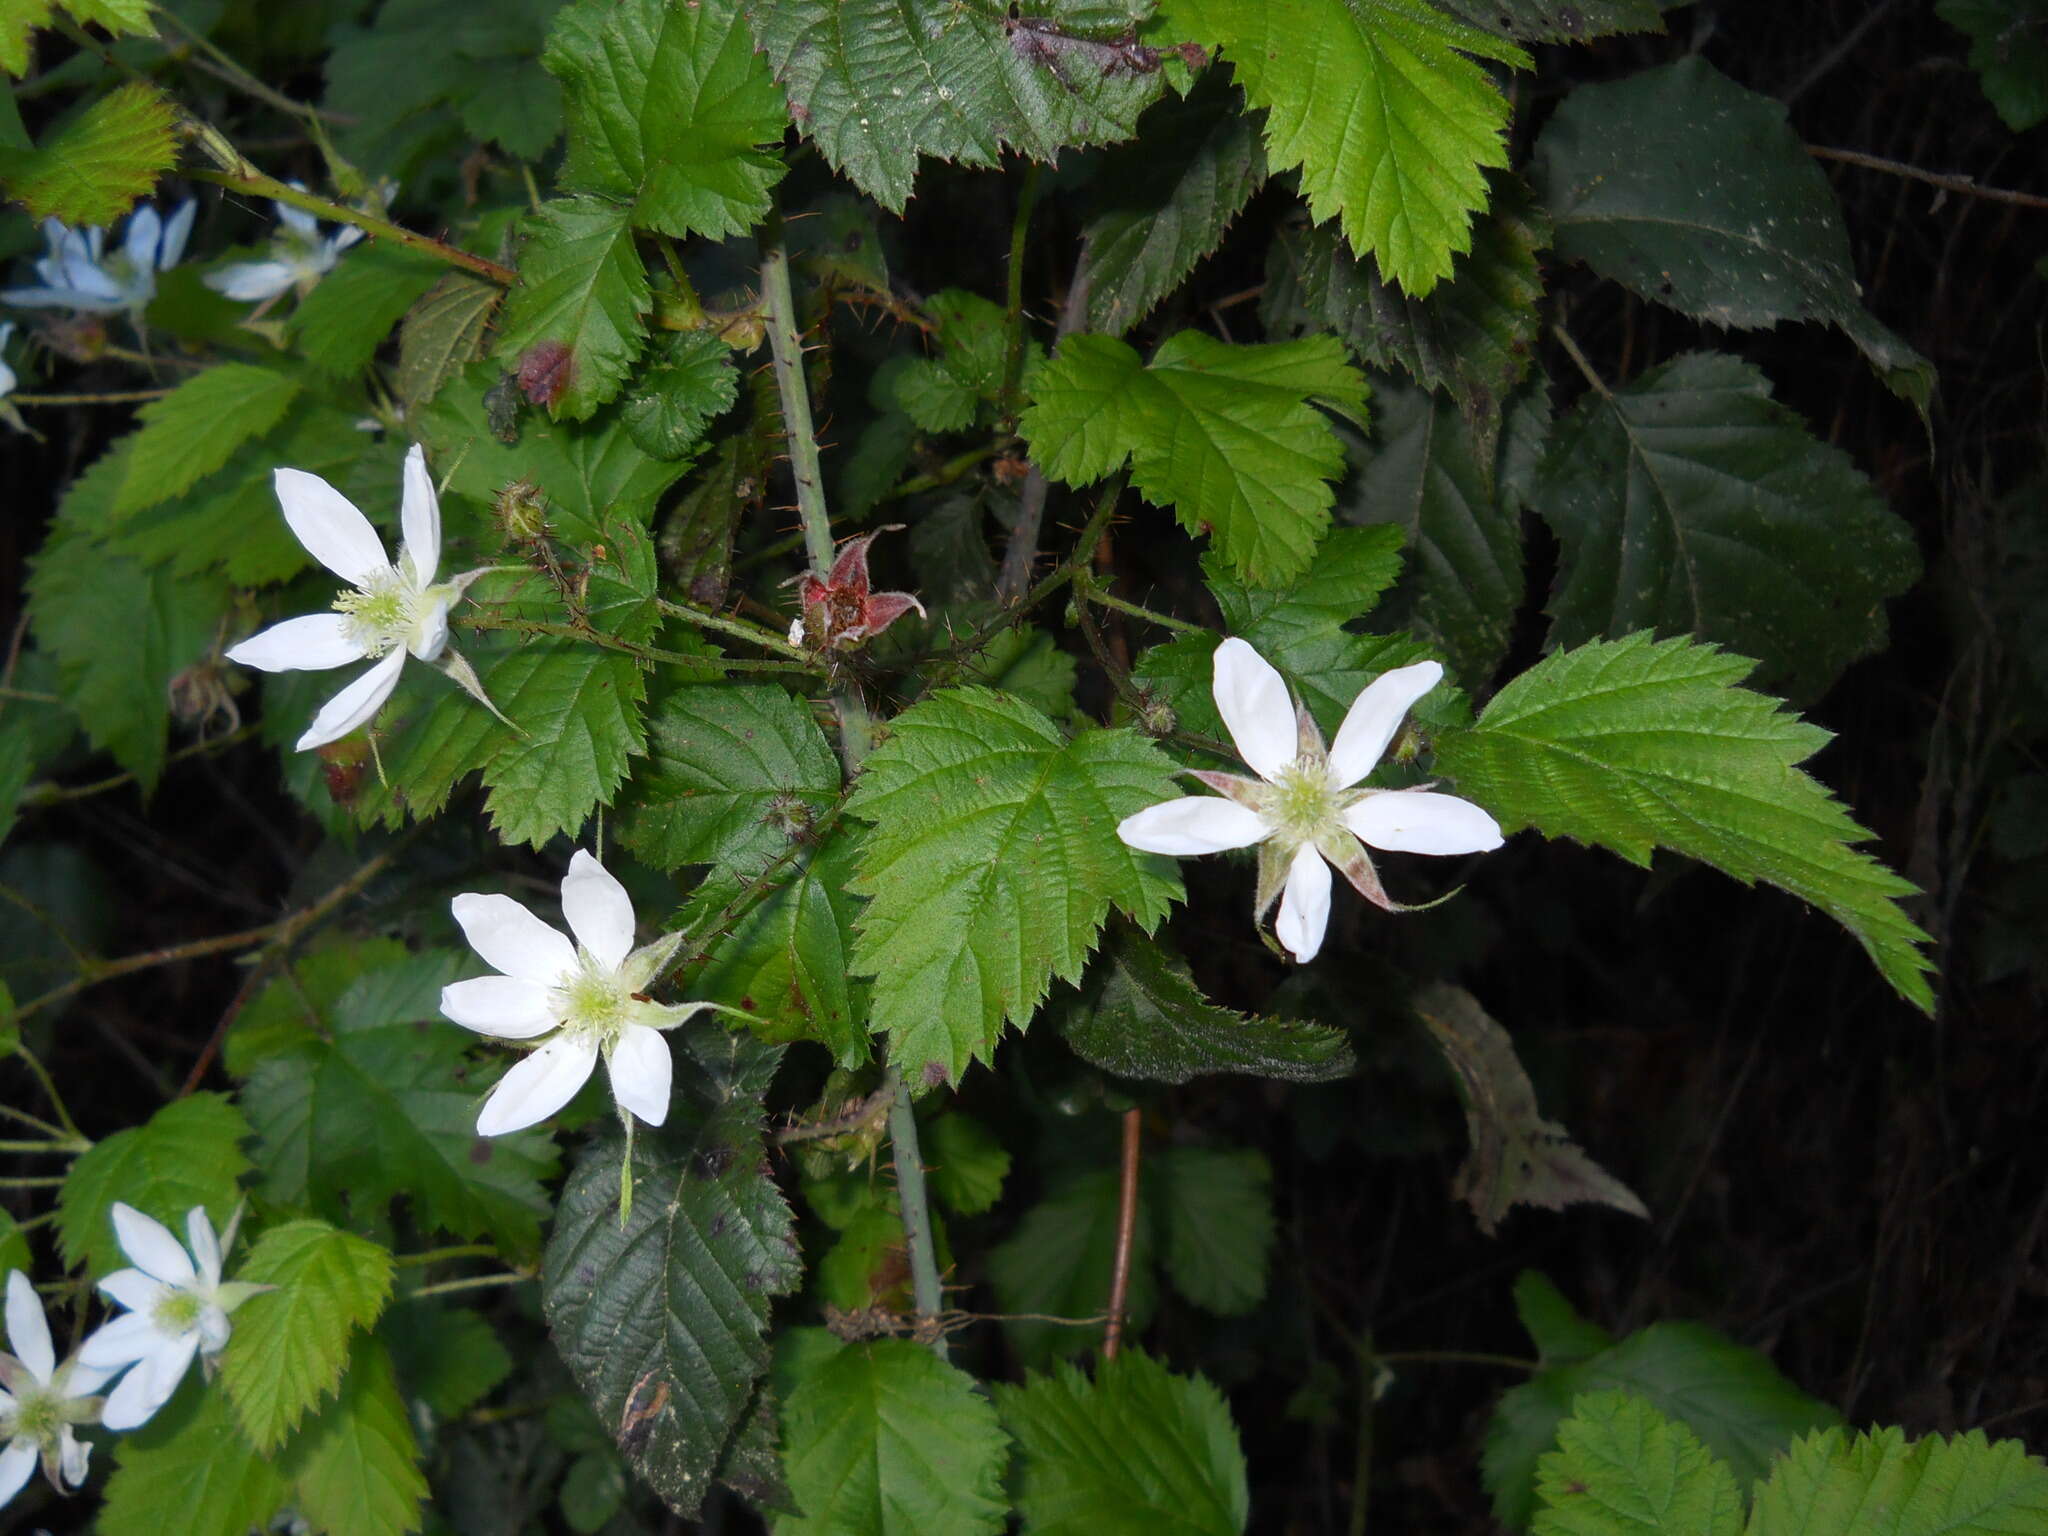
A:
[177,1308]
[1303,808]
[300,257]
[40,1399]
[389,609]
[77,274]
[7,375]
[574,1001]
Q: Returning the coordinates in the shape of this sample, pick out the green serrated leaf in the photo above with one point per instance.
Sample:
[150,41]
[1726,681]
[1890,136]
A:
[1636,744]
[964,1163]
[343,321]
[190,1464]
[1176,1468]
[1225,435]
[786,958]
[194,429]
[659,1313]
[886,1438]
[448,1358]
[671,403]
[1697,193]
[1731,1397]
[1475,335]
[877,83]
[290,1344]
[1558,21]
[1561,1335]
[733,775]
[1517,1157]
[2009,51]
[1299,628]
[354,1468]
[188,1153]
[1378,103]
[1830,1484]
[1462,581]
[991,867]
[385,1104]
[580,305]
[1218,1208]
[1622,1469]
[1058,1262]
[442,334]
[669,110]
[1167,202]
[1690,501]
[95,168]
[1148,1020]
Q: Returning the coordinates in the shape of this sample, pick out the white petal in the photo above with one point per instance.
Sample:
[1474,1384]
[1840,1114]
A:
[503,1006]
[599,911]
[1416,821]
[345,237]
[312,643]
[538,1086]
[147,1387]
[177,229]
[145,237]
[419,515]
[73,1455]
[355,705]
[205,1244]
[150,1246]
[213,1329]
[133,1289]
[330,527]
[430,635]
[1373,718]
[77,1379]
[641,1070]
[297,218]
[17,1463]
[512,940]
[1193,824]
[122,1342]
[28,1331]
[1252,698]
[247,282]
[1304,905]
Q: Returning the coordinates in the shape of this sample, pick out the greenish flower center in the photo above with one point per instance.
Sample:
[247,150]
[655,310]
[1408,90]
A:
[594,1000]
[382,613]
[38,1415]
[176,1311]
[1301,804]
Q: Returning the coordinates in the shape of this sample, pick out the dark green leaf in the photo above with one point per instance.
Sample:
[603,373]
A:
[1135,1452]
[886,1438]
[1689,501]
[991,867]
[964,1163]
[188,1153]
[1218,1205]
[190,1464]
[442,334]
[1149,1020]
[1635,745]
[670,405]
[2009,51]
[1561,1335]
[448,1358]
[734,774]
[1558,21]
[1696,193]
[1058,1262]
[342,322]
[660,1313]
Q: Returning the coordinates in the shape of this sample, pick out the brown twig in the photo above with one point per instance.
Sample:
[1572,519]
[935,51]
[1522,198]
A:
[1966,185]
[1126,1230]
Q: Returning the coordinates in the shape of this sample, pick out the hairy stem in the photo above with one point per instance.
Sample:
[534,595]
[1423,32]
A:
[917,1216]
[1013,303]
[1022,550]
[787,346]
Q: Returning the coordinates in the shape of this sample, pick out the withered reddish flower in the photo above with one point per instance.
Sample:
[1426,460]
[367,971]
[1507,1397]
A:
[841,611]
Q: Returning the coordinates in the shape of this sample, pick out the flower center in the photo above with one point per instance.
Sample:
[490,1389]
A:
[176,1312]
[381,613]
[37,1415]
[1301,805]
[594,1000]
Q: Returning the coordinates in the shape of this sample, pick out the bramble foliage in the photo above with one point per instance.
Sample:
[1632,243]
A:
[842,602]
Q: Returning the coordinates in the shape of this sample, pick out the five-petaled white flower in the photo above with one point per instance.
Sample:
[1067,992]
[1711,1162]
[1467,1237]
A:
[1304,808]
[576,1000]
[78,274]
[177,1307]
[40,1399]
[300,257]
[389,609]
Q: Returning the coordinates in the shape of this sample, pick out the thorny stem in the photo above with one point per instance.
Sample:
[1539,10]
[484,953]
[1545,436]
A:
[112,397]
[1013,302]
[917,1217]
[648,653]
[1022,550]
[753,634]
[476,1283]
[787,346]
[280,933]
[50,793]
[1965,185]
[1126,1230]
[1087,591]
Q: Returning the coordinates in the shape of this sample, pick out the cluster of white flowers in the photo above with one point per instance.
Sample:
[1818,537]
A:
[177,1309]
[79,274]
[299,257]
